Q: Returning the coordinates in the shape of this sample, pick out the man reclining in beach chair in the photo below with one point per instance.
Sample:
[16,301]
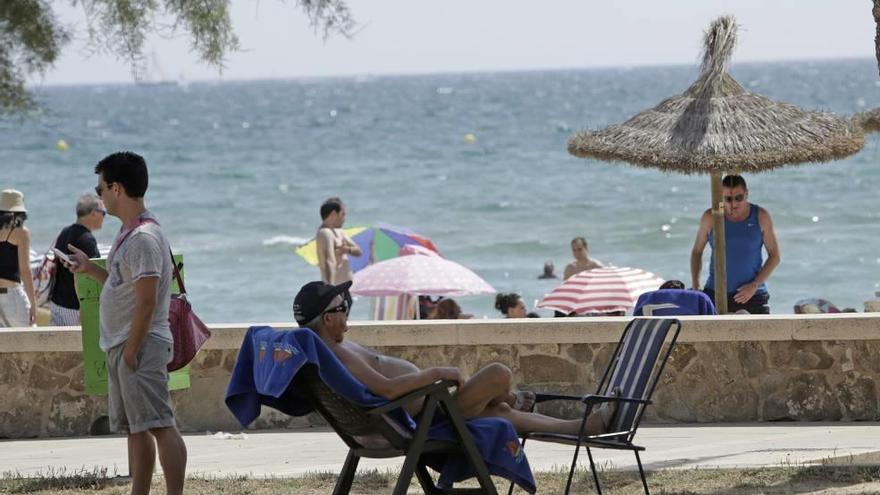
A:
[273,368]
[323,308]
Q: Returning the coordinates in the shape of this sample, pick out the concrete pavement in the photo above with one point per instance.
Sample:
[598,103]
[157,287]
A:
[294,452]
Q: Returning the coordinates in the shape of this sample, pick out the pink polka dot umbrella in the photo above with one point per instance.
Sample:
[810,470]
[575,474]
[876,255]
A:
[418,274]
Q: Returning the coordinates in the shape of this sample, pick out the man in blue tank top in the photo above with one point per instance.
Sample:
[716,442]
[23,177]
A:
[748,228]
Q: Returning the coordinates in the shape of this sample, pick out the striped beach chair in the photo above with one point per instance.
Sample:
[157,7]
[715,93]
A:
[634,370]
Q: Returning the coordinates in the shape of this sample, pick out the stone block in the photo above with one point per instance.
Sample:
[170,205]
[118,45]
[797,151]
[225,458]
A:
[682,356]
[803,397]
[12,368]
[800,355]
[753,358]
[858,397]
[866,355]
[57,362]
[581,354]
[71,415]
[540,368]
[43,379]
[209,360]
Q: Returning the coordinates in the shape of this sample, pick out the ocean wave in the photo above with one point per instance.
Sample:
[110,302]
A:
[286,240]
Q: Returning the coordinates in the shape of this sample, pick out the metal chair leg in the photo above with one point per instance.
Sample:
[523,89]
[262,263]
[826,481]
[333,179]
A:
[346,477]
[593,469]
[574,461]
[642,473]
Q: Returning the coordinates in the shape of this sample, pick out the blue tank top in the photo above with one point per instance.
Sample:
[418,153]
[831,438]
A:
[744,252]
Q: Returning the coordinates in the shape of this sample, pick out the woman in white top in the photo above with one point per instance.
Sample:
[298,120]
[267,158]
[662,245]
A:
[18,305]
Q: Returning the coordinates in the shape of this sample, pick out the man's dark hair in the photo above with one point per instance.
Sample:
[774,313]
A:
[127,169]
[580,240]
[329,206]
[672,284]
[732,181]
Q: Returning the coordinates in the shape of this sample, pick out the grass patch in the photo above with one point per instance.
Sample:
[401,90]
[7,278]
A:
[774,480]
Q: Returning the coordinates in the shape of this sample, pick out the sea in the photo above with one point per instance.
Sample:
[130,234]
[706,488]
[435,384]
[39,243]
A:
[477,162]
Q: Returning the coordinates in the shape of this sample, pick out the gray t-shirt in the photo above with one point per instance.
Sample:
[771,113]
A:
[144,253]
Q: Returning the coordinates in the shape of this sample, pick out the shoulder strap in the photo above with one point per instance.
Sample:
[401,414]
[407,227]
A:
[9,234]
[177,273]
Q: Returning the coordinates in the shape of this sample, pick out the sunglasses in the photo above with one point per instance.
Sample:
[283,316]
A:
[100,190]
[738,198]
[338,309]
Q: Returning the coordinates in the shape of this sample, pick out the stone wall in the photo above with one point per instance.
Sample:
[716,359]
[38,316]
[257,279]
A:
[723,369]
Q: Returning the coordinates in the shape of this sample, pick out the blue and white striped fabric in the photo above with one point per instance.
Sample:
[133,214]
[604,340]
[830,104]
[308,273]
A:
[635,363]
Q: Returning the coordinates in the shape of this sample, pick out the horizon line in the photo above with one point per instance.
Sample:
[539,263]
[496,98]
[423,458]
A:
[441,72]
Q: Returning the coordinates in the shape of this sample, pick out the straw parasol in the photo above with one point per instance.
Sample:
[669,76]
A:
[869,121]
[715,126]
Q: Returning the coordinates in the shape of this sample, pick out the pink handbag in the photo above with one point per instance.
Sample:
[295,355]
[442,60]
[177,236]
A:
[187,329]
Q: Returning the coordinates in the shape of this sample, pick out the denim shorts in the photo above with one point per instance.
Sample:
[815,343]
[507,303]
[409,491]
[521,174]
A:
[139,398]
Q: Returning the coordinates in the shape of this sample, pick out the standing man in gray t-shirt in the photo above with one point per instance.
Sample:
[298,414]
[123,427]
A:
[134,324]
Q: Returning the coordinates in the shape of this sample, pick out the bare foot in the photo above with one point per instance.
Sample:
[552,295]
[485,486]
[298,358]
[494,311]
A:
[602,418]
[524,400]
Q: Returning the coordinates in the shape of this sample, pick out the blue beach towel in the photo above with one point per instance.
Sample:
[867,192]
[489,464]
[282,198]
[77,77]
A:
[263,375]
[674,302]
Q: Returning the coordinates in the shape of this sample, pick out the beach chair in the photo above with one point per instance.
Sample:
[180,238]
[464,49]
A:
[371,433]
[296,373]
[634,370]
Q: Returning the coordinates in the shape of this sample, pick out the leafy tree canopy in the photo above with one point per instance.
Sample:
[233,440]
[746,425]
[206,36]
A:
[32,37]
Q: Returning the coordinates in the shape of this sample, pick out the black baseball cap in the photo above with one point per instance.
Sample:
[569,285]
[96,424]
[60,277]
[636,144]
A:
[314,297]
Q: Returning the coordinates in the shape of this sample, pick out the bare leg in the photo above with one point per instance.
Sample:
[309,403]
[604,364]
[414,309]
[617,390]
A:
[526,422]
[172,456]
[142,457]
[488,387]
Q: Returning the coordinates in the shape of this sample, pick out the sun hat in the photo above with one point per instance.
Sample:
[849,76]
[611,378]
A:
[12,200]
[315,297]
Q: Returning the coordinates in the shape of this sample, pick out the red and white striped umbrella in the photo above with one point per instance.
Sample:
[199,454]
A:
[601,290]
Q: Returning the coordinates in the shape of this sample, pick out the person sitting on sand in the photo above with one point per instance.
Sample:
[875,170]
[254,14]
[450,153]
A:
[323,308]
[511,305]
[582,262]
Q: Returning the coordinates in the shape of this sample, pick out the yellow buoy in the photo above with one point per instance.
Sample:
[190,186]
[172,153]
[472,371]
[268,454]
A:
[470,138]
[61,145]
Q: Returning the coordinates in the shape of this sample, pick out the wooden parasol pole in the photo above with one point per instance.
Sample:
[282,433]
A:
[719,245]
[876,12]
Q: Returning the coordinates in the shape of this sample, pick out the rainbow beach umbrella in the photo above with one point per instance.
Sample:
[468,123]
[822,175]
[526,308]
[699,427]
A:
[378,243]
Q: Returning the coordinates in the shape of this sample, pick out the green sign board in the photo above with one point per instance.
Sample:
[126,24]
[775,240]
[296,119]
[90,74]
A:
[94,359]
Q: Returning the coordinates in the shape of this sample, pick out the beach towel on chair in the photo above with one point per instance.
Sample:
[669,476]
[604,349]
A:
[674,302]
[269,359]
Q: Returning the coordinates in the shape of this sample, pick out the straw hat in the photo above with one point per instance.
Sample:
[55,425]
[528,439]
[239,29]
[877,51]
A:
[12,200]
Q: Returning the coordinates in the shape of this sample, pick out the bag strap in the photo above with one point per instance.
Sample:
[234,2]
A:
[173,264]
[177,273]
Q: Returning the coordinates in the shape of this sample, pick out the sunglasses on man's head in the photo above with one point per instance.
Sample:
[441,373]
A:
[738,198]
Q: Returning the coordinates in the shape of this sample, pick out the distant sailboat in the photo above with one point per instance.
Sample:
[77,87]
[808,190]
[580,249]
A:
[151,73]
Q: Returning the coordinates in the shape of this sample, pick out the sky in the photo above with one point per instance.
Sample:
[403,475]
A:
[419,36]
